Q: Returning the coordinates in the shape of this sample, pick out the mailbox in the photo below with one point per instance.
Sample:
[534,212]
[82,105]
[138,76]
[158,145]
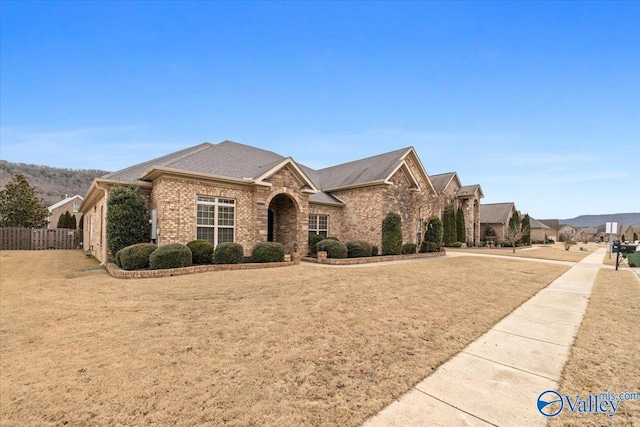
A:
[615,247]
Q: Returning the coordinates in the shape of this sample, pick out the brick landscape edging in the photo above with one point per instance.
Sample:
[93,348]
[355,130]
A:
[119,273]
[373,259]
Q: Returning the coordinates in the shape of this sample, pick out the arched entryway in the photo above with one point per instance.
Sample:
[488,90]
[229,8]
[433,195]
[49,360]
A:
[283,221]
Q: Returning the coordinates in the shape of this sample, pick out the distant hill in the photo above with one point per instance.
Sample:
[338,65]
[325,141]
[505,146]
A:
[597,220]
[52,183]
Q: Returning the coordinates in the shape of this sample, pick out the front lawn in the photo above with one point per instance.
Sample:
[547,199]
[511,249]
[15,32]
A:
[300,345]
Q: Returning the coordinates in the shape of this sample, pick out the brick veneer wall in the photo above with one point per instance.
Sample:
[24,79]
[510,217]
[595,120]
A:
[175,200]
[93,231]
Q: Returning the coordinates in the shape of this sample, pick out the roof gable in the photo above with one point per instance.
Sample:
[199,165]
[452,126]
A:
[65,201]
[441,181]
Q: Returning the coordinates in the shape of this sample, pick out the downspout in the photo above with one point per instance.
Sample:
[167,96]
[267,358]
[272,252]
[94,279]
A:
[104,224]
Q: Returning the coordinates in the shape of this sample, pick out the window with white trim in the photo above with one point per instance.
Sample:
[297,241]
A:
[215,219]
[319,224]
[76,207]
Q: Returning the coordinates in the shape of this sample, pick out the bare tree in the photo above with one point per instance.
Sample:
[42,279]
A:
[516,231]
[567,238]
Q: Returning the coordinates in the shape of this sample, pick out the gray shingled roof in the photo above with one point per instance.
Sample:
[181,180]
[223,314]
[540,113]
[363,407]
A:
[362,171]
[469,190]
[233,160]
[534,223]
[496,213]
[441,180]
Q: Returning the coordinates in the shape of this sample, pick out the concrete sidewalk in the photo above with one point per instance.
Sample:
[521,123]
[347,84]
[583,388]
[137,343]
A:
[496,380]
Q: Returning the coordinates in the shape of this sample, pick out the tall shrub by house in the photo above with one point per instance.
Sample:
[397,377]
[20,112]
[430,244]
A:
[392,234]
[433,235]
[127,219]
[65,220]
[449,225]
[526,224]
[461,229]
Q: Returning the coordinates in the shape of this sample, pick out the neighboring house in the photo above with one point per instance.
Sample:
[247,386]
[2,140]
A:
[567,232]
[467,197]
[230,192]
[554,226]
[626,232]
[586,234]
[539,231]
[497,216]
[71,204]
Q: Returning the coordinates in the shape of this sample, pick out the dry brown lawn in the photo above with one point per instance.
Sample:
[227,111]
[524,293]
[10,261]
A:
[606,354]
[292,346]
[551,252]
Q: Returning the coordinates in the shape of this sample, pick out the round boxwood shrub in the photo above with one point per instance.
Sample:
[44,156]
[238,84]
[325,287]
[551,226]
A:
[374,250]
[428,247]
[135,257]
[228,253]
[313,241]
[409,248]
[358,249]
[201,251]
[170,256]
[268,252]
[333,248]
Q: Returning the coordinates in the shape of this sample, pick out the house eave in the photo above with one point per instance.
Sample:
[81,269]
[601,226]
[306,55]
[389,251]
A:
[359,185]
[93,194]
[154,173]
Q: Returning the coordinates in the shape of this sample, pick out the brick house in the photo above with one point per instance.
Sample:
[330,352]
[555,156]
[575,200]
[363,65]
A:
[233,192]
[451,191]
[497,216]
[539,230]
[71,204]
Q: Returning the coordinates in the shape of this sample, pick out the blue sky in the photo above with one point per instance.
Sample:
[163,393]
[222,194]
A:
[539,102]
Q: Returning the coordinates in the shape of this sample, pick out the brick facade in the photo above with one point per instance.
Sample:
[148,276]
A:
[276,206]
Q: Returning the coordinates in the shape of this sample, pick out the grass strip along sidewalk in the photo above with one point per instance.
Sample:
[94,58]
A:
[606,354]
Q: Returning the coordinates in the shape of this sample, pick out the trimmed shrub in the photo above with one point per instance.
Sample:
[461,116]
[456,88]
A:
[428,247]
[456,245]
[392,234]
[135,257]
[358,249]
[116,258]
[409,248]
[170,256]
[434,232]
[268,252]
[313,241]
[374,250]
[333,248]
[201,250]
[228,253]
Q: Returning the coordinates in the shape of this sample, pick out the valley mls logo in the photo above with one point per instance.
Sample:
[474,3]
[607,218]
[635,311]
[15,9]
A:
[550,403]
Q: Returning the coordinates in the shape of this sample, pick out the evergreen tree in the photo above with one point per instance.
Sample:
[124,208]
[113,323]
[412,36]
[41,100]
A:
[449,225]
[127,219]
[20,206]
[81,223]
[460,226]
[65,220]
[635,237]
[72,223]
[526,224]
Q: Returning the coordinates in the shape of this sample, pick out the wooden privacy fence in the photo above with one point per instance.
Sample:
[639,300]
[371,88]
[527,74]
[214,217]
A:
[17,238]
